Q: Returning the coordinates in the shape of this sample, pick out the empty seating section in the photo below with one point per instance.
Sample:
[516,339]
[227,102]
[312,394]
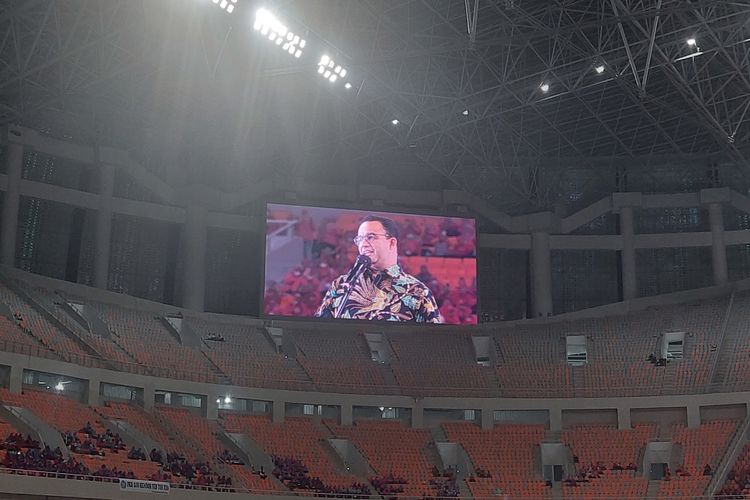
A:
[248,358]
[737,345]
[297,438]
[142,335]
[609,445]
[66,415]
[105,348]
[341,362]
[593,444]
[146,424]
[702,446]
[392,448]
[437,364]
[530,361]
[36,325]
[10,332]
[507,453]
[201,433]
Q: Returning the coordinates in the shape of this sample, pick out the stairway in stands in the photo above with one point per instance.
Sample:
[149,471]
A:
[734,334]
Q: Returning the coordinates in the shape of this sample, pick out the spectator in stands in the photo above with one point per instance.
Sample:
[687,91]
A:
[383,291]
[707,471]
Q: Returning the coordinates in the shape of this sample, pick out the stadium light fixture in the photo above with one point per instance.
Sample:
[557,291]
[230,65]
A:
[226,5]
[332,71]
[599,69]
[277,32]
[691,42]
[465,112]
[544,87]
[227,400]
[60,386]
[394,121]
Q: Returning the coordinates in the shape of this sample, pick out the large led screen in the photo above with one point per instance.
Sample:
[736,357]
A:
[378,266]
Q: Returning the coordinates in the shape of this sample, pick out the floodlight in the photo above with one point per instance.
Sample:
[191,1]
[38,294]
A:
[331,70]
[599,69]
[394,121]
[227,399]
[227,6]
[465,112]
[544,87]
[278,33]
[60,386]
[691,42]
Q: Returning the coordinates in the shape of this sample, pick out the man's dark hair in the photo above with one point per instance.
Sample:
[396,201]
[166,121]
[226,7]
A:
[390,227]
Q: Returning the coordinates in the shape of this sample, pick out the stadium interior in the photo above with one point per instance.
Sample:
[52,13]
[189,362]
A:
[181,181]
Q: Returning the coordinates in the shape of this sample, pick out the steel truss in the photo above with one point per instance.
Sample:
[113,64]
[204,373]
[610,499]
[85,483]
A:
[462,76]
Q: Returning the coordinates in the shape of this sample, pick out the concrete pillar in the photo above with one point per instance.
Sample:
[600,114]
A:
[103,226]
[417,415]
[194,272]
[555,419]
[279,409]
[10,205]
[623,418]
[541,273]
[693,416]
[488,419]
[149,395]
[347,414]
[16,379]
[212,406]
[718,247]
[627,256]
[93,392]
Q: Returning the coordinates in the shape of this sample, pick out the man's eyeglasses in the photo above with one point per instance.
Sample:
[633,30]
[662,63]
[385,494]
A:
[369,238]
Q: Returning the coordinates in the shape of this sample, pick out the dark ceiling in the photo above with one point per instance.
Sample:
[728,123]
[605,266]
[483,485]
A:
[198,96]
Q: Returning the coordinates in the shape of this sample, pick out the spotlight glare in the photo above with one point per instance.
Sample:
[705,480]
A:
[465,112]
[59,387]
[337,70]
[227,399]
[302,43]
[333,78]
[544,87]
[230,9]
[691,42]
[347,85]
[321,69]
[343,73]
[394,122]
[223,4]
[599,69]
[326,74]
[298,54]
[324,60]
[275,30]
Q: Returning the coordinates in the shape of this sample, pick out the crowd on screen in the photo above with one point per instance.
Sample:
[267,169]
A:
[329,252]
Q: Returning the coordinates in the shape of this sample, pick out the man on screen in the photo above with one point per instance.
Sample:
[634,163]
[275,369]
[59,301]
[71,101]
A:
[383,291]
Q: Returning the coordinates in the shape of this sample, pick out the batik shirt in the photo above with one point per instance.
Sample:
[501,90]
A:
[389,295]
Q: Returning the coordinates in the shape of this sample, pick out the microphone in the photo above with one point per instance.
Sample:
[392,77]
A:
[363,262]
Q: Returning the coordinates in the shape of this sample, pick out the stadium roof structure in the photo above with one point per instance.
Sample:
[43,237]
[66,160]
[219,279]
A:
[501,98]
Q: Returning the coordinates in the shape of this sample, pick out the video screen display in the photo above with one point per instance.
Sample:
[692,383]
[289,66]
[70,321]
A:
[377,266]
